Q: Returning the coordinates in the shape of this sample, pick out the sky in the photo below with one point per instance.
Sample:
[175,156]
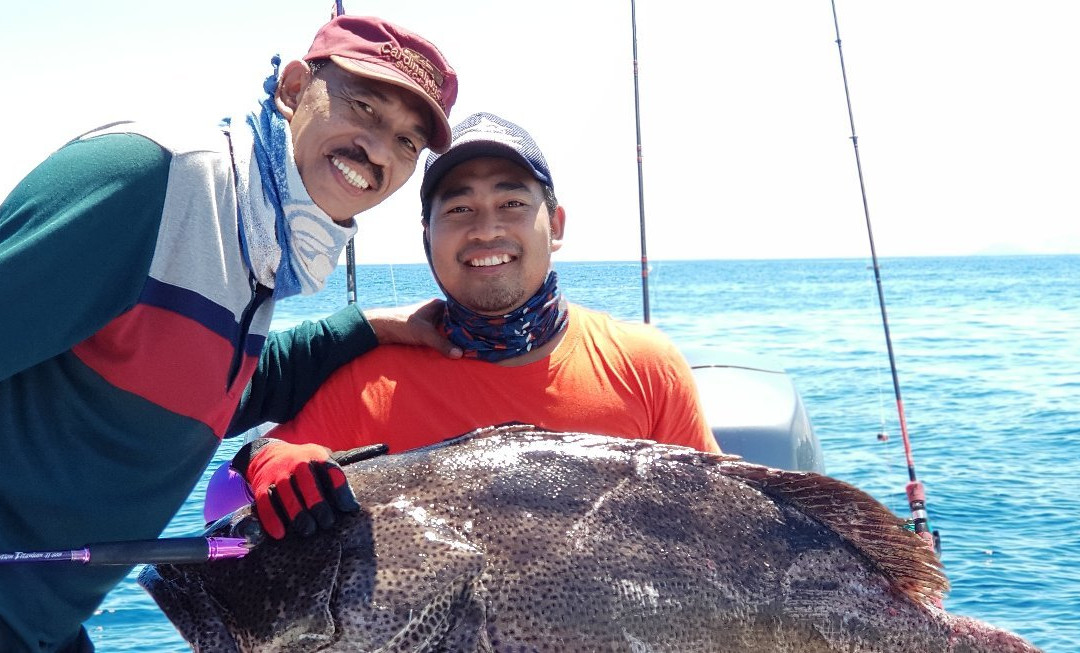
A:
[967,112]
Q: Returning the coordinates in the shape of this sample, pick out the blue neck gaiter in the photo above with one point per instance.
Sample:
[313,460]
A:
[290,244]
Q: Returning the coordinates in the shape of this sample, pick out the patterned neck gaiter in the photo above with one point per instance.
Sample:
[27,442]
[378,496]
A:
[495,338]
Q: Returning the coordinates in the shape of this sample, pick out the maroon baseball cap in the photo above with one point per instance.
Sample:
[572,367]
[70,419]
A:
[371,47]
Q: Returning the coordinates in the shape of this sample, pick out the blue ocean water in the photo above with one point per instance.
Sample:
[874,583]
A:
[988,358]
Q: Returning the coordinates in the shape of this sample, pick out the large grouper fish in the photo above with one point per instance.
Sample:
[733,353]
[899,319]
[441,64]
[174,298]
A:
[517,539]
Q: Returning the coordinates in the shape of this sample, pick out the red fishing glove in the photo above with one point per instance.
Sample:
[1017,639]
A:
[297,487]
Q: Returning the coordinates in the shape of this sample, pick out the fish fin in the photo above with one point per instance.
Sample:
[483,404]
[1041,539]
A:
[196,616]
[453,620]
[279,607]
[860,520]
[433,569]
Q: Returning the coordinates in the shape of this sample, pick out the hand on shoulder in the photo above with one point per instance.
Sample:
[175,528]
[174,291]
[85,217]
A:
[416,324]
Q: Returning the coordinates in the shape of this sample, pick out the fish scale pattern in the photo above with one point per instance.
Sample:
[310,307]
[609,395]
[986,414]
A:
[514,539]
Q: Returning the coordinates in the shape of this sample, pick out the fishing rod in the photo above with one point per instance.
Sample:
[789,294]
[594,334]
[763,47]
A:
[176,550]
[350,247]
[640,178]
[916,493]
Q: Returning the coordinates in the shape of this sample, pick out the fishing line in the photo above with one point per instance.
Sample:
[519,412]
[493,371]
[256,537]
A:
[393,285]
[916,493]
[883,433]
[640,178]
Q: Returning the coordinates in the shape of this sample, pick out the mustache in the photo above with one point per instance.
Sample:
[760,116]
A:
[360,156]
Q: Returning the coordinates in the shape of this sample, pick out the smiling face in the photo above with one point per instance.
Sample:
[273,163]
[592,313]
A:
[355,140]
[491,234]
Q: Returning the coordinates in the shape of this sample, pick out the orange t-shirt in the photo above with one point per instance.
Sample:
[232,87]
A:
[606,376]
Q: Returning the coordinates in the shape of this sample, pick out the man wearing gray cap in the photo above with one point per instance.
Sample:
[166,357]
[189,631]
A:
[115,393]
[491,222]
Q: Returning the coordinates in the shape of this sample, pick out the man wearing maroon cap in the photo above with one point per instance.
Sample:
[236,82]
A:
[371,76]
[114,396]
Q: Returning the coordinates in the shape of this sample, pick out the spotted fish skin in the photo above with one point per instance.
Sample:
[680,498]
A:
[516,539]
